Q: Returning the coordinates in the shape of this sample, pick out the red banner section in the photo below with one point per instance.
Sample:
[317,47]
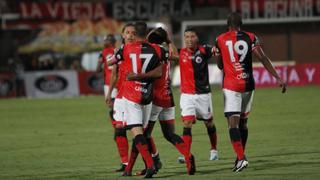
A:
[298,75]
[7,85]
[276,9]
[61,10]
[90,83]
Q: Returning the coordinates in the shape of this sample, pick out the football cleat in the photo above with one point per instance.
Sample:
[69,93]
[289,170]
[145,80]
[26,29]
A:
[191,165]
[157,162]
[122,168]
[181,160]
[149,173]
[213,155]
[241,164]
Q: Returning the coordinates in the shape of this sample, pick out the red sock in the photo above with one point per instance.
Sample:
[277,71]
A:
[123,147]
[142,147]
[187,138]
[183,149]
[237,147]
[133,156]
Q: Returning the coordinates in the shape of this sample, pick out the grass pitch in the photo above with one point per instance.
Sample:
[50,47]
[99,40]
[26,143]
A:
[73,139]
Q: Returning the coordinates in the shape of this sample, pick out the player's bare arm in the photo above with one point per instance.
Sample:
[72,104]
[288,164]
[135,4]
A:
[154,74]
[99,67]
[217,55]
[173,50]
[113,81]
[259,53]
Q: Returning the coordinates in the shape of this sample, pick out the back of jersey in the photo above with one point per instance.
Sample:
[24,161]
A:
[139,57]
[236,51]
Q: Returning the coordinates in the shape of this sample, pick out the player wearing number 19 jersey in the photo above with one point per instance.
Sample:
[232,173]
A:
[235,49]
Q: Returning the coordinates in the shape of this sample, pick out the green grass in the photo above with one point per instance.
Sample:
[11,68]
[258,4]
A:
[73,139]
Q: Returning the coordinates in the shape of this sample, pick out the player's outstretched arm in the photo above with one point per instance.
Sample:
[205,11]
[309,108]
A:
[151,75]
[113,81]
[259,53]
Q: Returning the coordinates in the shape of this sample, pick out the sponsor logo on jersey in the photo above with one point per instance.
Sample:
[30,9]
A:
[5,87]
[51,83]
[243,75]
[198,59]
[140,89]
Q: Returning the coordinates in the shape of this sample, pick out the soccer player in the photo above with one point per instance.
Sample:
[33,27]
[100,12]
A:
[139,57]
[110,94]
[163,103]
[116,80]
[196,100]
[235,49]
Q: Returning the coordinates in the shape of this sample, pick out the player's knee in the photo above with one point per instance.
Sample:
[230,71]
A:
[187,124]
[209,123]
[119,126]
[243,123]
[120,132]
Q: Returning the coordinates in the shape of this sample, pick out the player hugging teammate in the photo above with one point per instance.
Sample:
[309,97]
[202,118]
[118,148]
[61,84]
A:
[142,68]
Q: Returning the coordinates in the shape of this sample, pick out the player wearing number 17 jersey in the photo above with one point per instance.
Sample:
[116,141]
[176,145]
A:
[139,57]
[234,50]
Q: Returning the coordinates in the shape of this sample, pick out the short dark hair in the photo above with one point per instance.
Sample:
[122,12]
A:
[158,36]
[127,25]
[111,38]
[234,20]
[141,29]
[190,29]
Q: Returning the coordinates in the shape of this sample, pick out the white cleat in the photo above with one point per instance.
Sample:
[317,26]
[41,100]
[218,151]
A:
[181,160]
[213,155]
[241,165]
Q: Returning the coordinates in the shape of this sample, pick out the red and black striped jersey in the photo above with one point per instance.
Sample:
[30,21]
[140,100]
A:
[105,55]
[236,51]
[139,57]
[194,69]
[162,93]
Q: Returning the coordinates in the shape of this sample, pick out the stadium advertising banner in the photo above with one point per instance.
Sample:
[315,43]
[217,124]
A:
[63,10]
[252,9]
[296,75]
[90,83]
[7,85]
[120,9]
[50,84]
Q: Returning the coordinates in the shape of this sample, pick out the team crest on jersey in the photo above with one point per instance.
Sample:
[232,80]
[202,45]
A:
[198,59]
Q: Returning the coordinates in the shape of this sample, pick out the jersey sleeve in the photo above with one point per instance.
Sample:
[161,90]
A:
[255,43]
[119,53]
[164,54]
